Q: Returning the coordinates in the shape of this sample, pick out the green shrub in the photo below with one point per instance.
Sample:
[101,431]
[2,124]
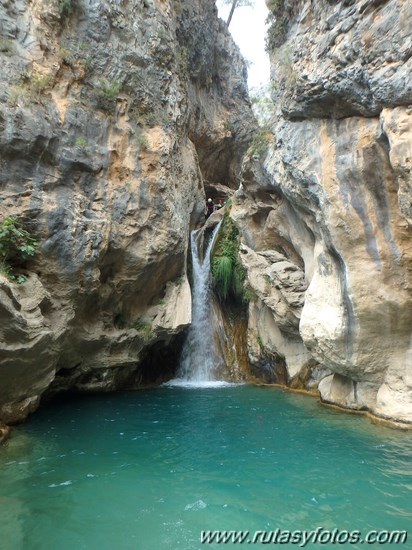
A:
[16,247]
[282,13]
[223,274]
[109,88]
[249,295]
[228,274]
[37,85]
[183,60]
[6,270]
[75,57]
[81,142]
[278,21]
[260,142]
[67,56]
[106,92]
[87,62]
[30,88]
[152,119]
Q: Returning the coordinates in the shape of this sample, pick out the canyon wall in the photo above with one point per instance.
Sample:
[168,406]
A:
[326,212]
[115,116]
[112,113]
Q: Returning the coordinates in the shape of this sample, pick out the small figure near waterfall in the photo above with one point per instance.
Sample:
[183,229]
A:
[210,207]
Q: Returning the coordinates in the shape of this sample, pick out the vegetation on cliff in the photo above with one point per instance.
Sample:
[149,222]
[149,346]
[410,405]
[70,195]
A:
[281,12]
[228,274]
[16,247]
[69,7]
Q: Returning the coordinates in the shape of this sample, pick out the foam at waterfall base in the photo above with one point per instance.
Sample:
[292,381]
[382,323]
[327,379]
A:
[181,383]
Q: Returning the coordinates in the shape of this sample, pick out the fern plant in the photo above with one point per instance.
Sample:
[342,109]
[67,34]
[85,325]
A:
[228,274]
[222,270]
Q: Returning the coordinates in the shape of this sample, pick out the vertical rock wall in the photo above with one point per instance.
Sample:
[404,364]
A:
[109,113]
[326,219]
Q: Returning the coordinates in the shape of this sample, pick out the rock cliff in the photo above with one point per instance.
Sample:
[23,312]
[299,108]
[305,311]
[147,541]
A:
[115,116]
[112,113]
[326,217]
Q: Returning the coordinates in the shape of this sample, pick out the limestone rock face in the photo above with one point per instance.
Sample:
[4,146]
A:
[347,58]
[108,115]
[332,197]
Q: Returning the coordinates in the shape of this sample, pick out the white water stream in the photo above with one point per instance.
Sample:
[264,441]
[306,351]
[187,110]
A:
[198,355]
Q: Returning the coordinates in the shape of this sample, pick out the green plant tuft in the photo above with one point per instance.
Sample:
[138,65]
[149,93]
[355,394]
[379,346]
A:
[152,118]
[109,88]
[144,328]
[223,274]
[260,142]
[6,270]
[81,142]
[30,89]
[38,84]
[249,295]
[182,57]
[228,274]
[282,15]
[16,247]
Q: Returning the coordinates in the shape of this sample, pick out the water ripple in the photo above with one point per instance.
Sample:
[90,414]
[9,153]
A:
[238,457]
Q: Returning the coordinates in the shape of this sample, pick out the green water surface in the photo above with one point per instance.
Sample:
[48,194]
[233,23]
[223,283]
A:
[151,469]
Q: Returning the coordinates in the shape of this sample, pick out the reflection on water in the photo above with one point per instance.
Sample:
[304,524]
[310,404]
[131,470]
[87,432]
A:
[152,469]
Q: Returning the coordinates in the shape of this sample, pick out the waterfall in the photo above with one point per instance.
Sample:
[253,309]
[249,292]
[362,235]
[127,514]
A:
[198,355]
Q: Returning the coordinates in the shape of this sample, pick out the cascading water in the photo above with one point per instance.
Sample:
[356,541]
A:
[198,355]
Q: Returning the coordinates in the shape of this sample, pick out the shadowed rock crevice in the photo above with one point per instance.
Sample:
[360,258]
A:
[159,365]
